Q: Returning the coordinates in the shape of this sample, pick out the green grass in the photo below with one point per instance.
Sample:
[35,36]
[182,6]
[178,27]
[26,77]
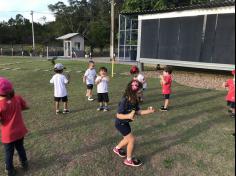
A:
[193,139]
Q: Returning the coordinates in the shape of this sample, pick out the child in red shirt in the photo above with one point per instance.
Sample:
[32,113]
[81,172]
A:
[13,128]
[166,82]
[230,98]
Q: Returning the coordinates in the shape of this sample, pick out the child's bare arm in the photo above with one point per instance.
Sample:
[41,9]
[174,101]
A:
[84,79]
[129,116]
[146,112]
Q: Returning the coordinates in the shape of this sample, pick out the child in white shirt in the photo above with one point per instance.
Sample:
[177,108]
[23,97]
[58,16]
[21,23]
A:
[102,89]
[141,78]
[60,93]
[89,79]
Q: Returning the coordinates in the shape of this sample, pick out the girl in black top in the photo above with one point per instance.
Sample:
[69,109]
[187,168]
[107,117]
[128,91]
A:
[128,109]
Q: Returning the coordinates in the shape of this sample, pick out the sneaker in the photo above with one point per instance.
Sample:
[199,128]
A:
[120,152]
[90,99]
[100,108]
[58,112]
[163,109]
[25,166]
[133,163]
[106,109]
[11,172]
[66,111]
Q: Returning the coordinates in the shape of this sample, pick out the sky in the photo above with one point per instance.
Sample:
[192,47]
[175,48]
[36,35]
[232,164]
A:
[10,8]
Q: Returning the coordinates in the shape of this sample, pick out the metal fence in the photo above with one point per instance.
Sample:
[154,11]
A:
[25,50]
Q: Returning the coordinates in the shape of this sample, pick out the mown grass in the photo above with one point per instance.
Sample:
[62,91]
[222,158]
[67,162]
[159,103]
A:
[193,139]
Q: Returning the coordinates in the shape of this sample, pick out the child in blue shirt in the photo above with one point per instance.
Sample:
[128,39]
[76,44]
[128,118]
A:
[128,109]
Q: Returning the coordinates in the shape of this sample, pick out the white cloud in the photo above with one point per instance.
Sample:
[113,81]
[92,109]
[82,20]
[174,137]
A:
[9,8]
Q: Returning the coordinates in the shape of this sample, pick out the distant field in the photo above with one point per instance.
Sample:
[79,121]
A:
[193,139]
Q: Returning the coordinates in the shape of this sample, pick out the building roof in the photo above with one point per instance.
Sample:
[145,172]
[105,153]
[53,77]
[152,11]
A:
[181,8]
[68,36]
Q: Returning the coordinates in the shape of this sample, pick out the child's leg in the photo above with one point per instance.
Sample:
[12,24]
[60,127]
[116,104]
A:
[123,143]
[90,93]
[57,105]
[19,145]
[9,153]
[130,146]
[66,105]
[166,103]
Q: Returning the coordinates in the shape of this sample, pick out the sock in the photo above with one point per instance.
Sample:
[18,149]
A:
[129,159]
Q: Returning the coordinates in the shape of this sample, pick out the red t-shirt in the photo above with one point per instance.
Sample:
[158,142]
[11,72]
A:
[231,93]
[12,125]
[166,88]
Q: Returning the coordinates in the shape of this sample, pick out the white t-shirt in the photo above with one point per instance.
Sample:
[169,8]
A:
[141,79]
[102,87]
[59,81]
[90,75]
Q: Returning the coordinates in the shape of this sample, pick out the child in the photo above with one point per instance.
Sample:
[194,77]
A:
[141,78]
[89,79]
[166,82]
[12,125]
[102,89]
[128,109]
[60,93]
[230,84]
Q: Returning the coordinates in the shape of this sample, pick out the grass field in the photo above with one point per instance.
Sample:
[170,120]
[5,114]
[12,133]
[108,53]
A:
[193,139]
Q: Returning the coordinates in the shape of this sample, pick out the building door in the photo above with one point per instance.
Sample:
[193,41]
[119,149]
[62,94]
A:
[67,49]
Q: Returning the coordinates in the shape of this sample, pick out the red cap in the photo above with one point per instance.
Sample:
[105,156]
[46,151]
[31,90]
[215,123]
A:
[134,69]
[233,72]
[5,86]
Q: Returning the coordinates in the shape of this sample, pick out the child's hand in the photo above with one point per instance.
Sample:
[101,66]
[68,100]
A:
[151,110]
[132,115]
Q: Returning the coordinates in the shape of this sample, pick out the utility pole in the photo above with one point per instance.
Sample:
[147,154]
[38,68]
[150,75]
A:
[112,29]
[32,14]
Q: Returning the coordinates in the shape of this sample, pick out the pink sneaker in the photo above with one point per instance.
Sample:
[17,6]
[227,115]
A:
[133,163]
[120,152]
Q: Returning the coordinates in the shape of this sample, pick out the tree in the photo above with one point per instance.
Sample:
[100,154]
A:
[139,5]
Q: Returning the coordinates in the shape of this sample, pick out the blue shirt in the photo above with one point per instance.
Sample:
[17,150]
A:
[126,107]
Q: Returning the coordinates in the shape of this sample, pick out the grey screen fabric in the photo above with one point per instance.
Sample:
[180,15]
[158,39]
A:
[190,38]
[209,39]
[224,51]
[149,38]
[168,44]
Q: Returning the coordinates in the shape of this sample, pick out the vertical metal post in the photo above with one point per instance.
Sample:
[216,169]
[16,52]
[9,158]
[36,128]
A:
[112,29]
[119,39]
[47,52]
[32,14]
[1,51]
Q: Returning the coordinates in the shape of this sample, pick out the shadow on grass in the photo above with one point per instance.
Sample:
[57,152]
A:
[60,160]
[180,138]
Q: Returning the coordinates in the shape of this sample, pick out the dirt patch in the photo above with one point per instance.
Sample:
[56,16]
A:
[205,80]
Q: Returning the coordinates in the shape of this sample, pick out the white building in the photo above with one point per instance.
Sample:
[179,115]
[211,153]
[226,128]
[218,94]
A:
[73,45]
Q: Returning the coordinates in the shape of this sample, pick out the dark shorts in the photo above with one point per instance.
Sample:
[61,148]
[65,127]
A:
[123,127]
[90,86]
[231,104]
[166,96]
[103,97]
[63,99]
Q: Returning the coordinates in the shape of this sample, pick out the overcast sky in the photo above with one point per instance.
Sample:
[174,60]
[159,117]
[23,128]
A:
[10,8]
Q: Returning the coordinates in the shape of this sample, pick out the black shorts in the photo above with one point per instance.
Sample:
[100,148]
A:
[123,127]
[166,96]
[63,99]
[103,97]
[90,86]
[231,104]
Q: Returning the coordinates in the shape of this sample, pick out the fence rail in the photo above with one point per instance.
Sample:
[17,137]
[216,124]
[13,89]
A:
[22,50]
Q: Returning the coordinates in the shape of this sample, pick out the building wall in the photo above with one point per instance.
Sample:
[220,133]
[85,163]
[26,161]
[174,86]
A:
[194,37]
